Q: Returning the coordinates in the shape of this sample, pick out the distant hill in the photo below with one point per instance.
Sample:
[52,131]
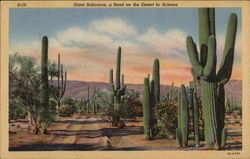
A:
[78,89]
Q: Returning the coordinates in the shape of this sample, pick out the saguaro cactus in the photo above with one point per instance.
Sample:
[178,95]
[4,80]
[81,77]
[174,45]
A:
[184,116]
[88,101]
[178,130]
[204,70]
[61,82]
[119,88]
[147,109]
[154,88]
[44,81]
[156,79]
[195,112]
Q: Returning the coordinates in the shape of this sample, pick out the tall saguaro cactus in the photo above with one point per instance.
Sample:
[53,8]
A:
[44,81]
[88,100]
[147,109]
[156,79]
[119,88]
[61,82]
[204,70]
[195,112]
[184,115]
[178,129]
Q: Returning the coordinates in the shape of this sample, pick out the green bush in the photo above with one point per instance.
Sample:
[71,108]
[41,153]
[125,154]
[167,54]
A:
[67,110]
[68,101]
[17,112]
[131,106]
[166,115]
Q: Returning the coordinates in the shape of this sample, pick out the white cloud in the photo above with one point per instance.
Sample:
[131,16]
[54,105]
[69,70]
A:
[114,26]
[95,47]
[81,36]
[168,43]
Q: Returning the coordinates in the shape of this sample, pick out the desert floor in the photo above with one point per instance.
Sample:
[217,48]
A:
[81,133]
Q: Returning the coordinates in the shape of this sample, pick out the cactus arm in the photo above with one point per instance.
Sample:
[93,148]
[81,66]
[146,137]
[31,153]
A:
[111,76]
[111,82]
[62,79]
[64,84]
[122,83]
[121,91]
[193,57]
[112,87]
[204,26]
[210,66]
[203,55]
[151,93]
[225,71]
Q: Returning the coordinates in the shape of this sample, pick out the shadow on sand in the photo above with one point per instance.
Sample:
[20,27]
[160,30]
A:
[101,132]
[56,147]
[76,122]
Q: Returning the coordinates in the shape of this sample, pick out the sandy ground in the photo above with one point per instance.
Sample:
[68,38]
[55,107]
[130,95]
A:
[93,133]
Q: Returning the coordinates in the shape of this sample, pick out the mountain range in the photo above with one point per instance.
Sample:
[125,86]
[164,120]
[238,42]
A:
[78,89]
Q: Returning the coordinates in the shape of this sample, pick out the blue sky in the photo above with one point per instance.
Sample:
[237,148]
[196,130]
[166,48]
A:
[137,29]
[30,23]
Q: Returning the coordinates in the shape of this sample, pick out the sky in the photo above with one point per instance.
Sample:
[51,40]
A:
[88,39]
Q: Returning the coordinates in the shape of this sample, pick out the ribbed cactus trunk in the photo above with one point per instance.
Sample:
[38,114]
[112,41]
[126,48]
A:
[208,97]
[147,109]
[196,117]
[184,116]
[194,111]
[117,77]
[44,81]
[178,130]
[111,93]
[204,70]
[191,105]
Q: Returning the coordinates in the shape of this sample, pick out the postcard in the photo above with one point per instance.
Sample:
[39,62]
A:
[125,79]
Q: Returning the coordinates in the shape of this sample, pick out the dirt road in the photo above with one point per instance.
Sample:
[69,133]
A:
[94,134]
[79,133]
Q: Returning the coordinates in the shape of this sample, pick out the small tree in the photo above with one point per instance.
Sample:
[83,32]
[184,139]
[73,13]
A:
[24,86]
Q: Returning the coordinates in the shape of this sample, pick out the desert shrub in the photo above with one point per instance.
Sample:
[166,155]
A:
[131,106]
[67,110]
[166,114]
[17,112]
[112,116]
[80,105]
[68,101]
[101,98]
